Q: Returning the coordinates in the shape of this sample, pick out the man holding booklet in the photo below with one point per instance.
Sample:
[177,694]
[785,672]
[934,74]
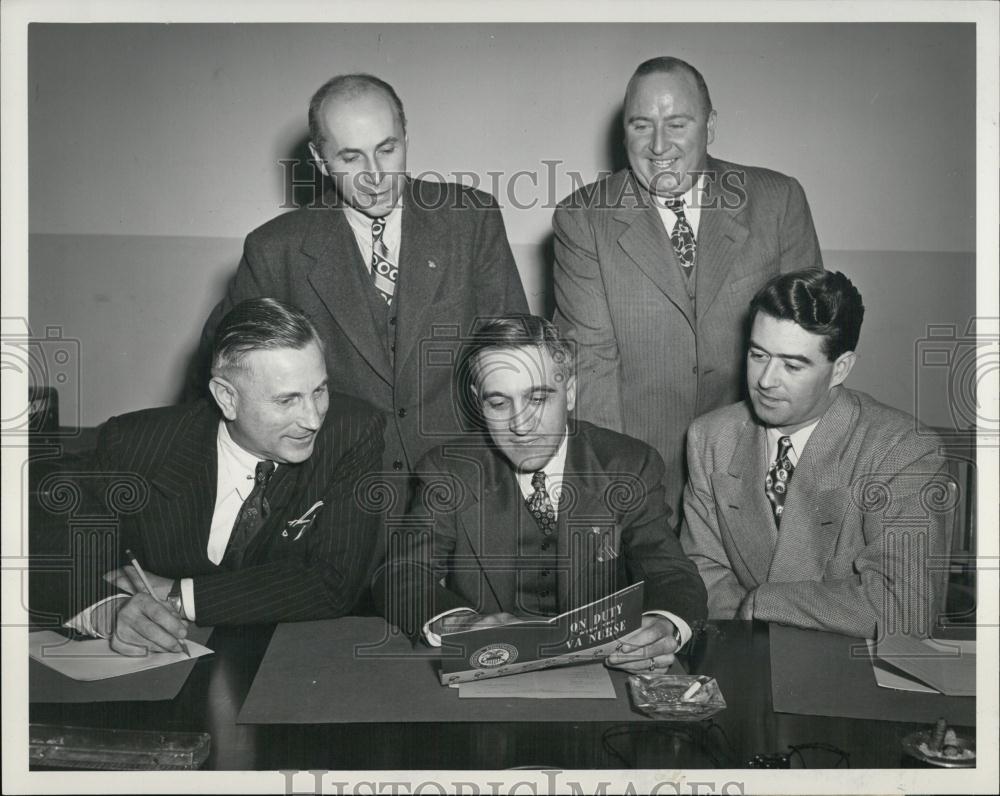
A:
[540,515]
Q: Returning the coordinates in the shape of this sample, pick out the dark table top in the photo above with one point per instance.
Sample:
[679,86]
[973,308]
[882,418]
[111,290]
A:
[735,653]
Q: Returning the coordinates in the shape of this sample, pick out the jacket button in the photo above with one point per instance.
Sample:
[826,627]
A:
[392,321]
[694,369]
[397,465]
[402,411]
[545,573]
[543,593]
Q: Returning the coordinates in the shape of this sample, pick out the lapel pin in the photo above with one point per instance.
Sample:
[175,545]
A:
[595,529]
[431,264]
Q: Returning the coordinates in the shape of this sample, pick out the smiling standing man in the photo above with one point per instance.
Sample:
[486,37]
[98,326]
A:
[246,509]
[812,504]
[655,264]
[542,515]
[383,264]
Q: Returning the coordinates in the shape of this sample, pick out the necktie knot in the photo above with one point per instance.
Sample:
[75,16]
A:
[378,227]
[262,473]
[538,480]
[784,445]
[675,204]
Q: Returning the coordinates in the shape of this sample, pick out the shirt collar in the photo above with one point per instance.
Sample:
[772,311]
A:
[554,469]
[362,224]
[799,439]
[237,466]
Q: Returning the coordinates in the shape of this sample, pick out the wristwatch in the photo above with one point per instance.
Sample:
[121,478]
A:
[176,600]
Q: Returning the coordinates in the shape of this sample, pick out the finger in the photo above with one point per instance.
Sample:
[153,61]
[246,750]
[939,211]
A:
[638,639]
[138,587]
[145,621]
[122,647]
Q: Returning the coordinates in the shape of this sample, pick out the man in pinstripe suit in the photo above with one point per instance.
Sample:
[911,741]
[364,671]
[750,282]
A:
[250,512]
[655,265]
[811,504]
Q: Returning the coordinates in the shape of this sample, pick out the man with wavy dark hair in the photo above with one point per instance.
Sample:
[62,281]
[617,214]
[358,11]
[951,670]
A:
[541,515]
[805,503]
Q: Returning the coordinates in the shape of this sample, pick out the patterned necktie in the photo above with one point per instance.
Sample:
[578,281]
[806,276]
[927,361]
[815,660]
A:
[540,506]
[778,478]
[682,236]
[251,518]
[384,271]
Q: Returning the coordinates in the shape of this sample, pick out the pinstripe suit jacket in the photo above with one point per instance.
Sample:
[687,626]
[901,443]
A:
[323,573]
[455,267]
[865,508]
[651,359]
[468,523]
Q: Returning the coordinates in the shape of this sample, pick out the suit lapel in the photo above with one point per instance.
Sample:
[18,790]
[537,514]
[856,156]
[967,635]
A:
[816,499]
[338,275]
[190,472]
[491,526]
[743,504]
[646,242]
[422,266]
[589,537]
[721,235]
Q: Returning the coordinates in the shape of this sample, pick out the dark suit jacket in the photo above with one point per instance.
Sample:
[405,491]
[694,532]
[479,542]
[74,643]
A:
[651,359]
[154,476]
[866,506]
[461,546]
[455,267]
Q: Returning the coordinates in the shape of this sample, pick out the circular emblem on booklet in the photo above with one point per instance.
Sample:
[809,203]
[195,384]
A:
[493,655]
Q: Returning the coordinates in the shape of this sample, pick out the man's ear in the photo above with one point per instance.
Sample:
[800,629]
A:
[571,393]
[318,158]
[225,395]
[842,367]
[710,124]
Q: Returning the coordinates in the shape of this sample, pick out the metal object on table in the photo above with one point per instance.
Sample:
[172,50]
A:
[117,750]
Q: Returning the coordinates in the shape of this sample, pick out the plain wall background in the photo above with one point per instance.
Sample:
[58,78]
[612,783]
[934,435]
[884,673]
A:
[154,149]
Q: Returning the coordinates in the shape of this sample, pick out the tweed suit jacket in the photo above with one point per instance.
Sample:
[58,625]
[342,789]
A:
[455,268]
[167,458]
[468,518]
[864,515]
[651,359]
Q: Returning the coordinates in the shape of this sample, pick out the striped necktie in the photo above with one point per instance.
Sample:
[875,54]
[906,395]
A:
[384,271]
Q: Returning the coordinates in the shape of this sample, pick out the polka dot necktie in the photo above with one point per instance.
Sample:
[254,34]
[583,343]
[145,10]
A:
[251,518]
[778,477]
[540,506]
[682,237]
[384,271]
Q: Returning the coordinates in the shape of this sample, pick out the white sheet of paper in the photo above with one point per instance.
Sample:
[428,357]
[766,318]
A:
[588,681]
[93,659]
[886,678]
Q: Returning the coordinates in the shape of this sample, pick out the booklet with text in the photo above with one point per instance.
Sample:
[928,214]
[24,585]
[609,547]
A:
[590,632]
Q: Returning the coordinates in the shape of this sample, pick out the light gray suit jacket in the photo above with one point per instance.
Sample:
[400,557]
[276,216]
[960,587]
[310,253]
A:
[865,513]
[651,359]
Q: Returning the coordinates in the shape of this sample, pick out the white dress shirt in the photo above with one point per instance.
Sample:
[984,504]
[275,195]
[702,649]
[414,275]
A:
[361,226]
[554,470]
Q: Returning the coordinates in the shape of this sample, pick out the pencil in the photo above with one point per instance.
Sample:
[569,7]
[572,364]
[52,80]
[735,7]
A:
[149,590]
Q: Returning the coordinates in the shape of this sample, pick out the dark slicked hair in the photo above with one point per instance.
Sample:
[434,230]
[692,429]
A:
[667,64]
[519,331]
[256,325]
[348,86]
[821,302]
